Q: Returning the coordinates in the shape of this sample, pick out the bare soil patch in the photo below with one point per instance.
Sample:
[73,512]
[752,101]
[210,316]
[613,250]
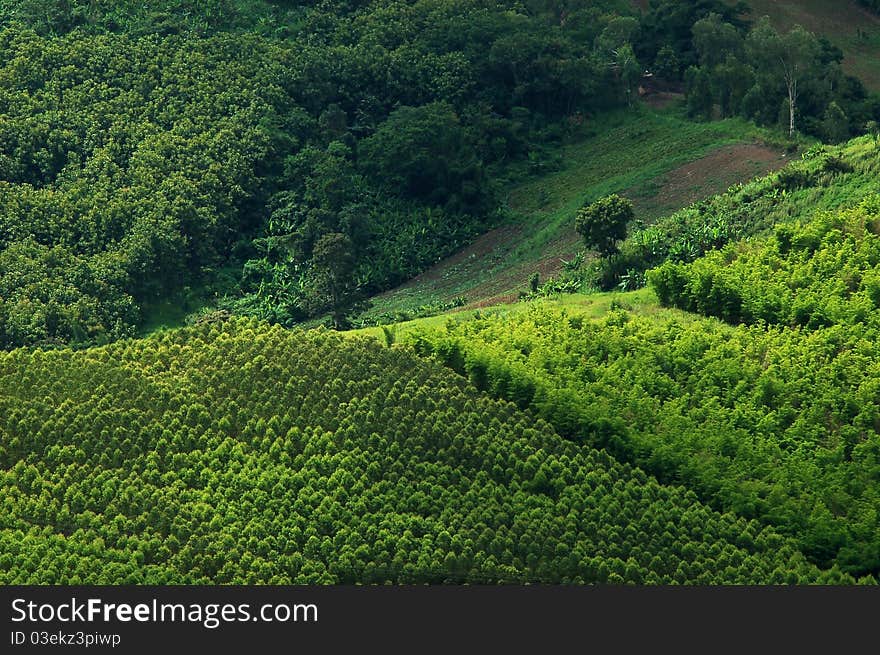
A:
[662,99]
[487,247]
[705,177]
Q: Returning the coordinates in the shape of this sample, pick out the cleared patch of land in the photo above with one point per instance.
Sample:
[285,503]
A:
[706,176]
[657,159]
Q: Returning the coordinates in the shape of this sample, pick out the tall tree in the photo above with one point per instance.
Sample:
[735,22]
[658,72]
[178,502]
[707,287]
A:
[666,65]
[627,69]
[670,22]
[715,39]
[791,57]
[333,263]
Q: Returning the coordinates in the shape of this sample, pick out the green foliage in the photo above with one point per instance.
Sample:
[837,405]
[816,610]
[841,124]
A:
[813,274]
[666,65]
[215,143]
[420,104]
[791,58]
[873,128]
[669,24]
[334,263]
[630,149]
[340,148]
[825,178]
[122,177]
[835,124]
[383,123]
[776,425]
[604,222]
[793,79]
[49,296]
[412,313]
[551,287]
[699,93]
[424,152]
[163,17]
[235,453]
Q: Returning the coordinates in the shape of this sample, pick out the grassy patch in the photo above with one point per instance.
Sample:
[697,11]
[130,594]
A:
[635,152]
[589,306]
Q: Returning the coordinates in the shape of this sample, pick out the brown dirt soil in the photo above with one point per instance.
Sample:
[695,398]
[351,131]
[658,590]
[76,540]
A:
[706,176]
[678,188]
[488,249]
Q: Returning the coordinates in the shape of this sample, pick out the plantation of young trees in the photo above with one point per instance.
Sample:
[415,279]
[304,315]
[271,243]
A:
[284,161]
[814,274]
[776,425]
[239,453]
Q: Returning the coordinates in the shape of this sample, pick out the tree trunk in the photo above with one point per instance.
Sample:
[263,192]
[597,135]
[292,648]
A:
[792,98]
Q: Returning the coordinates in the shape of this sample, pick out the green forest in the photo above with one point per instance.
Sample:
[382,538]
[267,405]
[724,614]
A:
[371,467]
[677,380]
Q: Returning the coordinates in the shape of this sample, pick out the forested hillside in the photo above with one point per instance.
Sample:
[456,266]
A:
[288,160]
[238,453]
[813,274]
[775,425]
[124,177]
[824,178]
[776,419]
[56,17]
[251,167]
[354,146]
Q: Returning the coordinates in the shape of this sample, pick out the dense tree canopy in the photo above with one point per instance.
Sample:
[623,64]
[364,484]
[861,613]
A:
[237,453]
[792,79]
[122,176]
[286,160]
[148,146]
[776,425]
[604,222]
[155,148]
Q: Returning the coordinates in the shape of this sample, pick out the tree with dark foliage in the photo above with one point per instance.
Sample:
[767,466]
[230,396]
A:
[603,223]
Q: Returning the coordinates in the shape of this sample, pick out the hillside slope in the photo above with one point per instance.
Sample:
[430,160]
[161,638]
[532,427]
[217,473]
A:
[242,453]
[824,178]
[777,420]
[655,157]
[775,425]
[847,24]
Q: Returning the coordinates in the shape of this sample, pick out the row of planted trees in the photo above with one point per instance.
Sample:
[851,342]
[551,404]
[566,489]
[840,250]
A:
[246,454]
